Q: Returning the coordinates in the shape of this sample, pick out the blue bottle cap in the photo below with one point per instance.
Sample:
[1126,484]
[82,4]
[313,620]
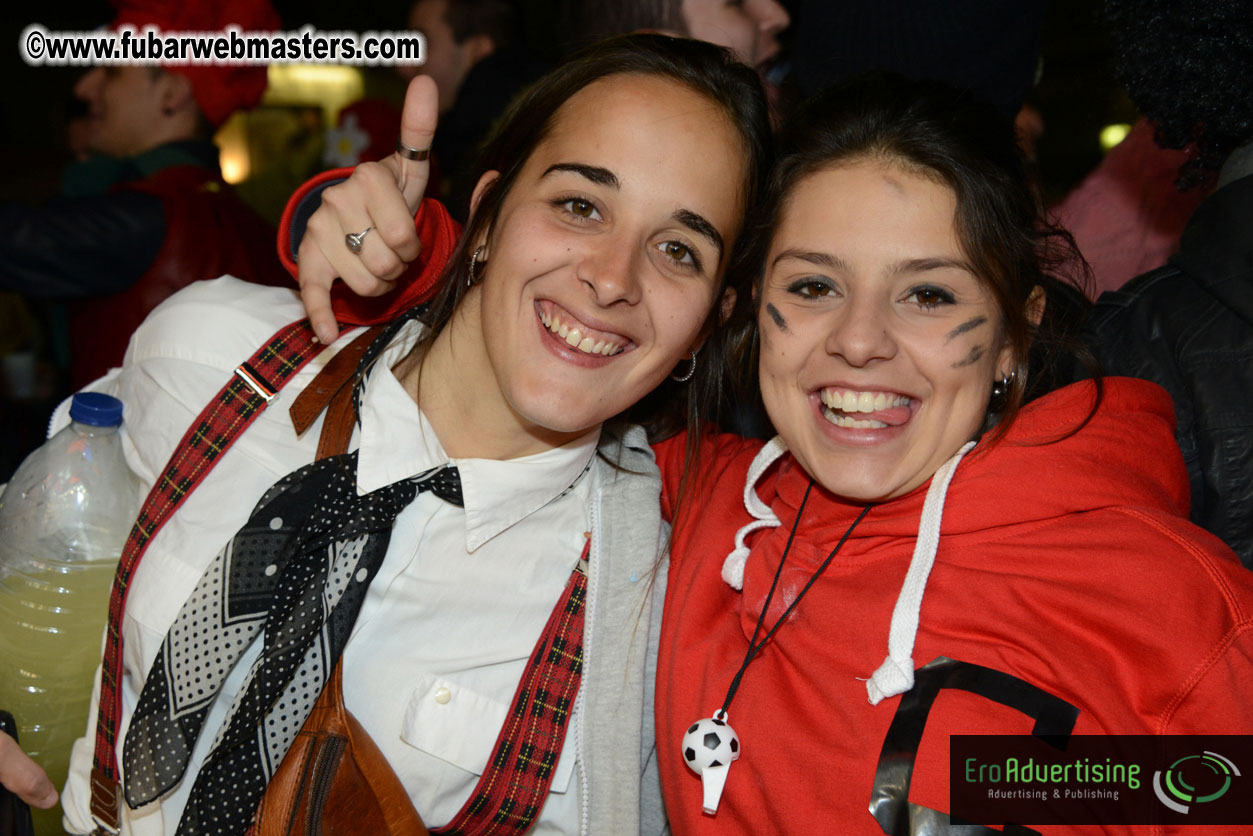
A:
[96,409]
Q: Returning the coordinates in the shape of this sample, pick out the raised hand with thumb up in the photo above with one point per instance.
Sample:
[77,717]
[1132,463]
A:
[363,232]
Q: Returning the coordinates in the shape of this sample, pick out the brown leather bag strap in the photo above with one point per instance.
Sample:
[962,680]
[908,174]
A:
[331,390]
[338,424]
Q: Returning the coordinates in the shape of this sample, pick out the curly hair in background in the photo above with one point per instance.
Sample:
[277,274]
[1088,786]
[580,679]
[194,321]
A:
[1186,65]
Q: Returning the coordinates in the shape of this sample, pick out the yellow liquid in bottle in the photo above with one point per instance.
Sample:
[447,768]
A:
[52,620]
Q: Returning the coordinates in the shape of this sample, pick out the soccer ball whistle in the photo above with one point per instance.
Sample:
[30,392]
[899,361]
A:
[708,749]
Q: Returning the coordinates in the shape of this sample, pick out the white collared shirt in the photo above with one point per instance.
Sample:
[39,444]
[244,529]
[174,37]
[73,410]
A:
[458,603]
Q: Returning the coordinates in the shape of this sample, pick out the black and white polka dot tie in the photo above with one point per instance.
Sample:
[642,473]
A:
[297,572]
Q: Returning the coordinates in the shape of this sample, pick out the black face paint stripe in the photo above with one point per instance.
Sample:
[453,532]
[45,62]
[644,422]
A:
[776,316]
[968,325]
[971,358]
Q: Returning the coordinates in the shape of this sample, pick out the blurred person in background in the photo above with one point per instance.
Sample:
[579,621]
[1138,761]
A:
[475,55]
[1188,326]
[163,217]
[750,29]
[1126,215]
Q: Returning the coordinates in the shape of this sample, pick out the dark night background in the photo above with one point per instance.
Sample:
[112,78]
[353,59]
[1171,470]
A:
[1076,94]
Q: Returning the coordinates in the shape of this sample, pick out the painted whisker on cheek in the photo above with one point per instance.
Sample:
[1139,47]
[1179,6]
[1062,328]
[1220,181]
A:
[776,316]
[968,325]
[973,357]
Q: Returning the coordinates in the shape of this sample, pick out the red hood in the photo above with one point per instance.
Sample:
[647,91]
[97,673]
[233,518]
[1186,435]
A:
[437,231]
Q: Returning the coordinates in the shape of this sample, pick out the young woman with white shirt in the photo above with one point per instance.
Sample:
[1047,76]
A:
[591,270]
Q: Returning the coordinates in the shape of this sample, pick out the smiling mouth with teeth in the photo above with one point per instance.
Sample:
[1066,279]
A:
[840,406]
[579,336]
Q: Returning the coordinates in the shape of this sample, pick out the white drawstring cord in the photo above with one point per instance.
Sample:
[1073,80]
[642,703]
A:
[896,674]
[733,565]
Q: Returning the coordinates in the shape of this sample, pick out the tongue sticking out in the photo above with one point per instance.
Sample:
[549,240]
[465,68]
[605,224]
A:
[865,409]
[867,420]
[893,416]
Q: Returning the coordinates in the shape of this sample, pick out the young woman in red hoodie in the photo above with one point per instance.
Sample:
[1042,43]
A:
[940,540]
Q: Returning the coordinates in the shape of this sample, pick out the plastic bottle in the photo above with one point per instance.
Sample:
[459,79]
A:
[64,518]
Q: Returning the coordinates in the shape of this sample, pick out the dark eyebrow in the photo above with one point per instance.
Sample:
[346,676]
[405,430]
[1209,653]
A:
[598,175]
[605,177]
[820,259]
[834,262]
[921,265]
[700,226]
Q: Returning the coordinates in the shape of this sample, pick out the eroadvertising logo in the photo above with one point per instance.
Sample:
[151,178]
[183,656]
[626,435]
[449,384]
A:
[1211,772]
[1094,779]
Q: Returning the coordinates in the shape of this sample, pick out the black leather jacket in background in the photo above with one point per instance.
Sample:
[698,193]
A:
[1188,326]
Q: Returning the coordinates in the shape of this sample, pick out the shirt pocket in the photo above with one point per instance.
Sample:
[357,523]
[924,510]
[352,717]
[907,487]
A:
[459,725]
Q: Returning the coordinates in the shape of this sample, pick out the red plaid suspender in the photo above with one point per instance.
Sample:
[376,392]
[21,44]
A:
[515,781]
[235,407]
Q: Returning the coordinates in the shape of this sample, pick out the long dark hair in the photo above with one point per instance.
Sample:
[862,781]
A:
[942,133]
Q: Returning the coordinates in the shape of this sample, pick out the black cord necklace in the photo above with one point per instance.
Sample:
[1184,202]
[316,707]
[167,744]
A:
[711,744]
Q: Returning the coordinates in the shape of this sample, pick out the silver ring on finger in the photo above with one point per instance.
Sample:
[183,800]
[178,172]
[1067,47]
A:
[354,240]
[410,153]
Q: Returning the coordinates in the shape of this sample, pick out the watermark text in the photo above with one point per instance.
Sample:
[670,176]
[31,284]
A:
[149,46]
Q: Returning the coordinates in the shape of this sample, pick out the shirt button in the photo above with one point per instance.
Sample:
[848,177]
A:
[442,696]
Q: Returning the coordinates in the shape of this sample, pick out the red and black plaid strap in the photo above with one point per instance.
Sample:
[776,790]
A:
[515,782]
[240,401]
